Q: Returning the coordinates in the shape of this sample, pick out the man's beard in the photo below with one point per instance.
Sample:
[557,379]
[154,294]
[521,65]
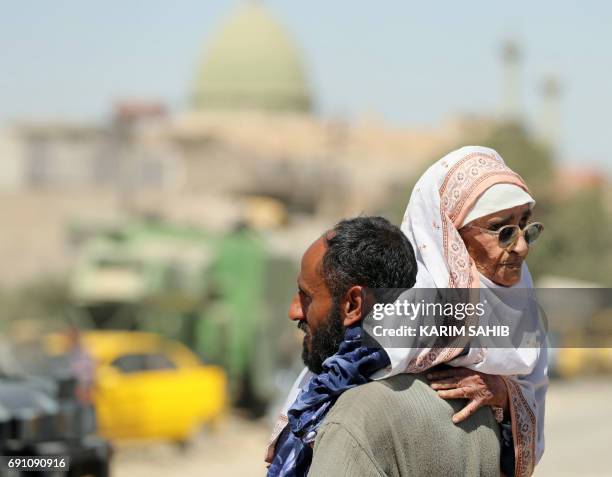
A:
[324,342]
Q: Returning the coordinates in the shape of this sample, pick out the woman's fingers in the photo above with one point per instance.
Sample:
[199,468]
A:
[462,383]
[450,383]
[459,393]
[470,408]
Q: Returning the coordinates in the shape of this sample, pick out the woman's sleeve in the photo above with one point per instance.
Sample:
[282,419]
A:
[527,405]
[538,383]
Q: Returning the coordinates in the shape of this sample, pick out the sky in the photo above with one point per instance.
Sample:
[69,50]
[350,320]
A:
[410,63]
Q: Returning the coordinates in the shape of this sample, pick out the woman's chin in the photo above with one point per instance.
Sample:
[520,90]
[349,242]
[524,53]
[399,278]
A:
[508,277]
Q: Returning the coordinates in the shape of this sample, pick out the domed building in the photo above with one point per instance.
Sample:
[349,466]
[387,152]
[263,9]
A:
[249,144]
[252,64]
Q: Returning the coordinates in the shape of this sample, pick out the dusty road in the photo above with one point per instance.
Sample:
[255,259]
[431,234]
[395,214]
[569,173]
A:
[578,441]
[578,429]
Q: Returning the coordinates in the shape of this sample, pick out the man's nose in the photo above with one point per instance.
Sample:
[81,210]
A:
[295,309]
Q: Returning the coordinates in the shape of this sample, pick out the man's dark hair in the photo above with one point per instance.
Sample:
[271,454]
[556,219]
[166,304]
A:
[365,251]
[370,252]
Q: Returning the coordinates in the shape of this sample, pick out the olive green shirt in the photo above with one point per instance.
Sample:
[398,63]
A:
[400,427]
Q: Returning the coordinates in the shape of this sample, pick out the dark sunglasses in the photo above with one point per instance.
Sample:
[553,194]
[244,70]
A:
[509,234]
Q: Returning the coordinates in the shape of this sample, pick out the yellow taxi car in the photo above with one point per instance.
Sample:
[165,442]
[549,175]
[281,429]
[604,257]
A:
[147,387]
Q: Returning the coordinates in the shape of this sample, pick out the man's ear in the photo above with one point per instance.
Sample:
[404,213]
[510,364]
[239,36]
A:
[352,306]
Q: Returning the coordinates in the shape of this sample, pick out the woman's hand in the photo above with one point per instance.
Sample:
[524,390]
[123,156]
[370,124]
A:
[462,383]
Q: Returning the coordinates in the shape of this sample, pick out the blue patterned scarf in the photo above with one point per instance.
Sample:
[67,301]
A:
[351,366]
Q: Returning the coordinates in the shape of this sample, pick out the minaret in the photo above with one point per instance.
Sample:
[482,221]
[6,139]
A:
[548,124]
[511,103]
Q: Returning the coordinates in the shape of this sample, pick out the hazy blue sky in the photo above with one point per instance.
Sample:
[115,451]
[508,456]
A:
[409,62]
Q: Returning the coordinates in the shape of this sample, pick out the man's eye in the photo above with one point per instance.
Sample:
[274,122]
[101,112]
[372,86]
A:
[494,227]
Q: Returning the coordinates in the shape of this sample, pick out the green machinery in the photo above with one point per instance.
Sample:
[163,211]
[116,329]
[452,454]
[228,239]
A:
[224,295]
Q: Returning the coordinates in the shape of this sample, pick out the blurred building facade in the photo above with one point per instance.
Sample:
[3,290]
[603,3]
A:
[251,132]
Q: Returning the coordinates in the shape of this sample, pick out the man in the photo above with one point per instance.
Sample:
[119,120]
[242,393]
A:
[341,423]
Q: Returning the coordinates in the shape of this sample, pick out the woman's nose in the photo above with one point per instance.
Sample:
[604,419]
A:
[295,309]
[520,246]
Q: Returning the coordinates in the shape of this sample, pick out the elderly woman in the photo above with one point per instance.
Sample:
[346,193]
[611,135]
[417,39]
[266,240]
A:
[469,221]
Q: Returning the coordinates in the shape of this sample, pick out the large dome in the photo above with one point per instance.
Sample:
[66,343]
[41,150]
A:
[252,64]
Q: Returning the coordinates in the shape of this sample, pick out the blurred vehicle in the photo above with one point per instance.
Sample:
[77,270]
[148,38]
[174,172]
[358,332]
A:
[583,347]
[41,416]
[223,295]
[147,387]
[572,362]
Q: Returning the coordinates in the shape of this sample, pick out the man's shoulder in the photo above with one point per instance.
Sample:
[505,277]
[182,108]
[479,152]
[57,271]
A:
[400,424]
[404,399]
[388,402]
[400,390]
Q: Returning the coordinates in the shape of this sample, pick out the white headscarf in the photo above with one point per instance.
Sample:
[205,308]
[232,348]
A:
[498,197]
[451,193]
[441,202]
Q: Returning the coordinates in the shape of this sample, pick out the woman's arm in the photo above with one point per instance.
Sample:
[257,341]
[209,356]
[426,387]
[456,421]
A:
[481,390]
[528,394]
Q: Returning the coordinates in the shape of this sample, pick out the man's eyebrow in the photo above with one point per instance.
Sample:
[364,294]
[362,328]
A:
[302,287]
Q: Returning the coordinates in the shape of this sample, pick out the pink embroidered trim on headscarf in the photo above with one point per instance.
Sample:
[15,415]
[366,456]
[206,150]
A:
[465,181]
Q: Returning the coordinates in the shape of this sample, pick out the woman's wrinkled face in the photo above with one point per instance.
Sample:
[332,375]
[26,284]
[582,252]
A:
[500,265]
